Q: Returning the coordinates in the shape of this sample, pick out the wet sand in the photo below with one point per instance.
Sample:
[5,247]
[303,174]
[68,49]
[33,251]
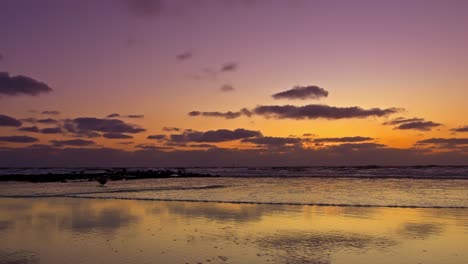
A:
[74,230]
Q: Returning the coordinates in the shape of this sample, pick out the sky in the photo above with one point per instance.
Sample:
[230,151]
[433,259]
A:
[221,83]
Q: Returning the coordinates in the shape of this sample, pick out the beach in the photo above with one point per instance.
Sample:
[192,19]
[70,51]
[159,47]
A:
[223,220]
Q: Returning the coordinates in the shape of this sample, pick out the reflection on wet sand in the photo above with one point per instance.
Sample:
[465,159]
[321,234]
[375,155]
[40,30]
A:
[223,212]
[421,230]
[295,247]
[18,257]
[68,230]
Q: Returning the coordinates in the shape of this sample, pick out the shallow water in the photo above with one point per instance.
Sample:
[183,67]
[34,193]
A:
[72,230]
[311,191]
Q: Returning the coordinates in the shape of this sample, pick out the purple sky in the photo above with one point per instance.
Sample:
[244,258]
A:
[163,59]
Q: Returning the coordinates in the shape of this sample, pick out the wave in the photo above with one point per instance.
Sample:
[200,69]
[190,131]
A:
[253,202]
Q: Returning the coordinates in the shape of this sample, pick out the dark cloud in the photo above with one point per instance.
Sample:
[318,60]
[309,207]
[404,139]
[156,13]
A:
[145,8]
[220,135]
[157,137]
[47,121]
[34,129]
[102,125]
[308,135]
[353,147]
[184,56]
[80,133]
[227,88]
[175,144]
[9,121]
[18,139]
[51,130]
[151,147]
[320,111]
[401,120]
[274,141]
[72,142]
[412,123]
[302,92]
[358,155]
[230,66]
[171,129]
[135,116]
[116,136]
[460,129]
[227,115]
[52,112]
[451,141]
[202,146]
[21,85]
[342,139]
[29,120]
[422,126]
[113,115]
[126,143]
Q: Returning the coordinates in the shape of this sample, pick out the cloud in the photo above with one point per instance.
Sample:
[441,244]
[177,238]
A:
[356,155]
[145,8]
[52,112]
[342,139]
[51,130]
[102,125]
[230,66]
[412,123]
[9,121]
[184,56]
[314,111]
[274,141]
[227,88]
[29,120]
[151,147]
[72,142]
[460,129]
[302,92]
[116,136]
[1,56]
[220,135]
[352,147]
[21,85]
[422,126]
[18,139]
[34,129]
[202,146]
[227,115]
[171,129]
[113,115]
[302,112]
[175,144]
[157,137]
[401,120]
[135,116]
[451,141]
[47,121]
[126,143]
